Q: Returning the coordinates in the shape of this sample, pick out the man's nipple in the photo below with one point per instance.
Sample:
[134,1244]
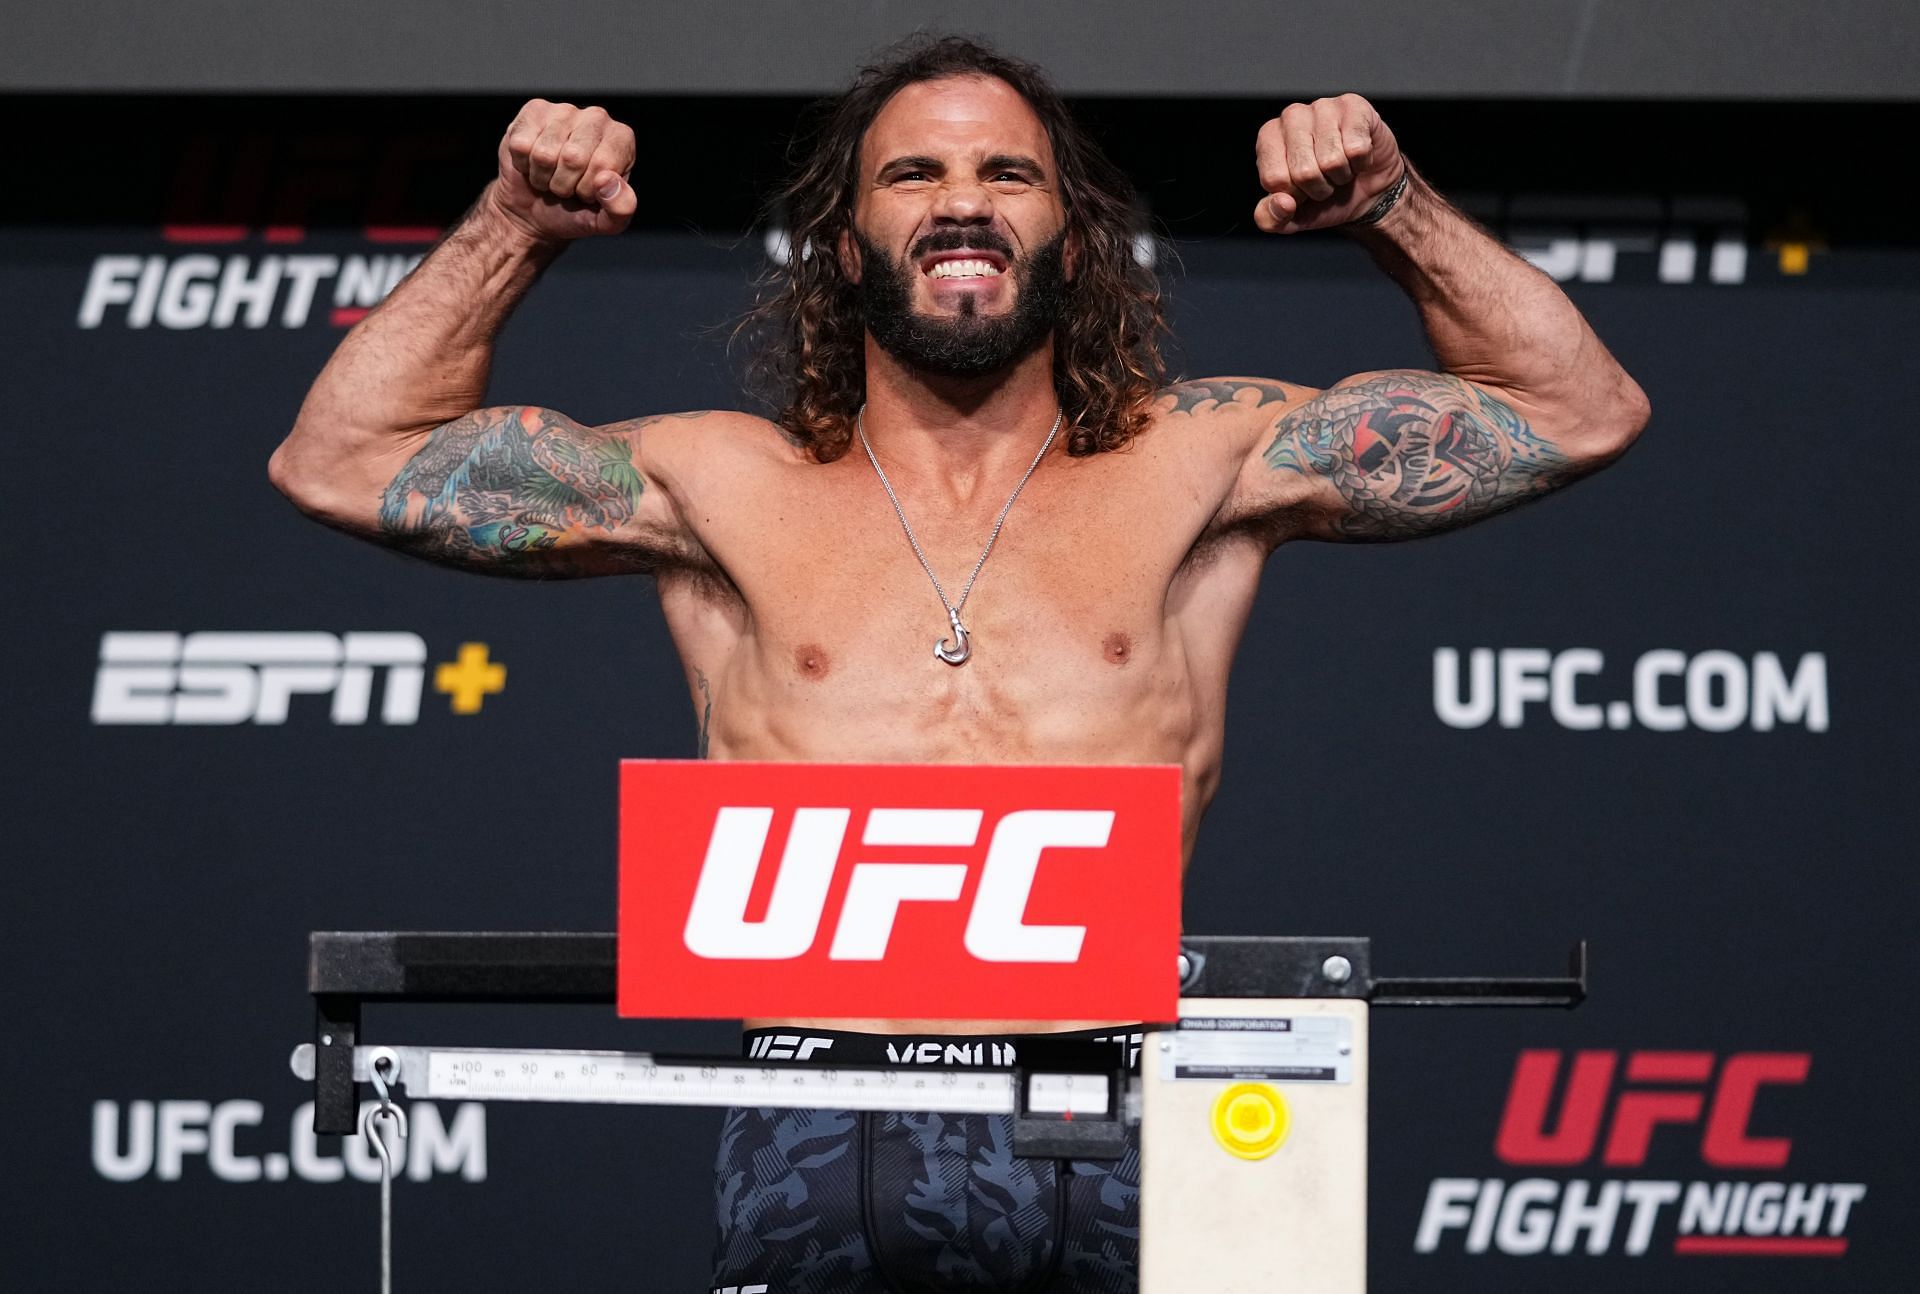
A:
[811,661]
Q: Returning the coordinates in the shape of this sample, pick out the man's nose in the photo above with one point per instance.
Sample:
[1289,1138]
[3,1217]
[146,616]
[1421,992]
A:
[963,202]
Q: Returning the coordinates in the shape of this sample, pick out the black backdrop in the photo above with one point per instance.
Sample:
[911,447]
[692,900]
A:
[1745,886]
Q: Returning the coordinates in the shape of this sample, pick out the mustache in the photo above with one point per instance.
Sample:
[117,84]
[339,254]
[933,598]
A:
[963,240]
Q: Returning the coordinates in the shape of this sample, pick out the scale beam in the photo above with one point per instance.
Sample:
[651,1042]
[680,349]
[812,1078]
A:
[639,1078]
[347,969]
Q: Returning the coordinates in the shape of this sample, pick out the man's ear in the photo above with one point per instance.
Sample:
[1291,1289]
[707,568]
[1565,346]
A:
[848,253]
[1070,261]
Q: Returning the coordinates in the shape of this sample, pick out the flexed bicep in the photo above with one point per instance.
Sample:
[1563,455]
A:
[1406,453]
[521,490]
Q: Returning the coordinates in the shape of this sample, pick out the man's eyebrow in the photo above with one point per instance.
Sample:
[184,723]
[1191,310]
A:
[1012,162]
[912,163]
[997,162]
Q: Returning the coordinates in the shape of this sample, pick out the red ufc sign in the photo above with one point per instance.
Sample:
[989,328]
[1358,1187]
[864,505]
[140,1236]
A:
[1665,1087]
[895,891]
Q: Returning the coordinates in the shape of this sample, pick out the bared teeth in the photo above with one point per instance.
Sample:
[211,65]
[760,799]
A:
[963,269]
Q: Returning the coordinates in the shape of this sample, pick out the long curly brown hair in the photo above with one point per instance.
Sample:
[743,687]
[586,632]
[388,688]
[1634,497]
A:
[805,332]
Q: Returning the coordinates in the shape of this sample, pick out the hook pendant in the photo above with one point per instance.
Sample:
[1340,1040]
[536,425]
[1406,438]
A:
[957,654]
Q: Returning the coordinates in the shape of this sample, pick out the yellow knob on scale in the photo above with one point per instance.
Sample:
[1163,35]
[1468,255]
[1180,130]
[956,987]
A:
[1251,1120]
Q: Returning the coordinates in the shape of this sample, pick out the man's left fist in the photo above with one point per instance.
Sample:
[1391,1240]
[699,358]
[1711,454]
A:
[1322,164]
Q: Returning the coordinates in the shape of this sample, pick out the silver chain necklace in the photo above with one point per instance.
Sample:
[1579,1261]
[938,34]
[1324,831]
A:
[962,648]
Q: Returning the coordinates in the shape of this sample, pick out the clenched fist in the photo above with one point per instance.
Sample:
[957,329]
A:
[1323,164]
[563,171]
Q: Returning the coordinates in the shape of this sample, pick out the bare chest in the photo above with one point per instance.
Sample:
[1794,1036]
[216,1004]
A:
[1071,658]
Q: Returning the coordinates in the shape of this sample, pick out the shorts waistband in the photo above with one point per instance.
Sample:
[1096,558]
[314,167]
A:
[944,1050]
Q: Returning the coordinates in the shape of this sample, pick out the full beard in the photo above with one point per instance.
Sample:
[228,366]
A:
[969,344]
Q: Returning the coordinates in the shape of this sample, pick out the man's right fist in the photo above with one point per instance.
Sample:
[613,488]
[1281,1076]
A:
[563,171]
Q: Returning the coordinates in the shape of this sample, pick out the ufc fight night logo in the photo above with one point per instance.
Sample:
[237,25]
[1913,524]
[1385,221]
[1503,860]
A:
[238,210]
[1691,1105]
[852,890]
[201,291]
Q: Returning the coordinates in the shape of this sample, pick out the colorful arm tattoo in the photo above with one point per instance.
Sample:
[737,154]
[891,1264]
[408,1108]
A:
[1415,453]
[502,487]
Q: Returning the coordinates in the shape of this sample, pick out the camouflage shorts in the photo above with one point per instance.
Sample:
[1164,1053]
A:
[842,1202]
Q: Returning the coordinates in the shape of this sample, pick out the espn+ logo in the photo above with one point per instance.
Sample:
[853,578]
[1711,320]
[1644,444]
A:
[216,678]
[211,678]
[718,927]
[1714,691]
[1663,1093]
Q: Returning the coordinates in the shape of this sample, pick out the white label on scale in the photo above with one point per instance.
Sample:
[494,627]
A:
[1303,1049]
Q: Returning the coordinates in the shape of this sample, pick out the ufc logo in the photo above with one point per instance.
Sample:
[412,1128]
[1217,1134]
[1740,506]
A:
[717,925]
[787,1046]
[1680,1099]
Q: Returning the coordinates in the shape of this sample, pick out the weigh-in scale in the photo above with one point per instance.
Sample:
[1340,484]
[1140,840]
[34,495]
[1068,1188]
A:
[1252,1107]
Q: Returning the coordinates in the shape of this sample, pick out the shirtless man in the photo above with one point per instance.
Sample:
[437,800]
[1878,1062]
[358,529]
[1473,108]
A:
[963,272]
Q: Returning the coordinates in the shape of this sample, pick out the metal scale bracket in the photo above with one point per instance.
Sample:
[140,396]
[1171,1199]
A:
[346,970]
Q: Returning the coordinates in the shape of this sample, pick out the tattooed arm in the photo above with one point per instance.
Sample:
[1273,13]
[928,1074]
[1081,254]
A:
[1527,401]
[526,491]
[390,445]
[1380,456]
